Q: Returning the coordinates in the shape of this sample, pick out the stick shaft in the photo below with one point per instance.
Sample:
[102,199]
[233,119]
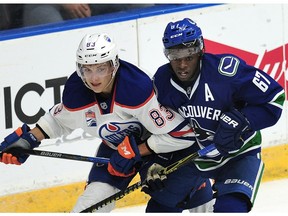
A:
[112,198]
[202,152]
[65,156]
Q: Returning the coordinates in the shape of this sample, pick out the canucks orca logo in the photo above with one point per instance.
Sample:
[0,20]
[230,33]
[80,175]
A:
[228,65]
[115,132]
[202,134]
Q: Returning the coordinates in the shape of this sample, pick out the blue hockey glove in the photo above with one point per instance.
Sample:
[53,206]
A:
[12,144]
[124,161]
[228,134]
[154,180]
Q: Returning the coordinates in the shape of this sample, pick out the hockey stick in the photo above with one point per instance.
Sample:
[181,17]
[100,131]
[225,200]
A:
[60,155]
[167,170]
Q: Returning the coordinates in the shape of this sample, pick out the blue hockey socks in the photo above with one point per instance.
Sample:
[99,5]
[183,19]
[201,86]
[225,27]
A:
[235,202]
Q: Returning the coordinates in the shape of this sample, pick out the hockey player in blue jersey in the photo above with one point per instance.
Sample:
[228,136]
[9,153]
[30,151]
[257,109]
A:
[227,102]
[113,100]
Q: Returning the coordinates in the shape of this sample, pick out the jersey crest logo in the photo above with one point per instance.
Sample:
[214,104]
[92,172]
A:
[115,132]
[112,127]
[202,134]
[228,66]
[90,118]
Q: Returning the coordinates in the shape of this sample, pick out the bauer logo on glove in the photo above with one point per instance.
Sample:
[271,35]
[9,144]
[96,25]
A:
[231,126]
[229,120]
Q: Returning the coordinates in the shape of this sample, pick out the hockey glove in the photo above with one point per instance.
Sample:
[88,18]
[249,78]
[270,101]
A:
[124,161]
[228,134]
[12,144]
[154,180]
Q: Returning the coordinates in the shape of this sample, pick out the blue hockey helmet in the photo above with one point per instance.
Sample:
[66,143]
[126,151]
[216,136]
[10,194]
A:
[183,34]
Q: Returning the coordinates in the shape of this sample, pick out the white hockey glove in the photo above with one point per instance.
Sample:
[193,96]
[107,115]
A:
[155,180]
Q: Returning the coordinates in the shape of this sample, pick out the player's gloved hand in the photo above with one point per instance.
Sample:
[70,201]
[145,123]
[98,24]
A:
[154,180]
[228,134]
[12,144]
[124,161]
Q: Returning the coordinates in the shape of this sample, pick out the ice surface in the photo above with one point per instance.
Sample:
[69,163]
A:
[272,197]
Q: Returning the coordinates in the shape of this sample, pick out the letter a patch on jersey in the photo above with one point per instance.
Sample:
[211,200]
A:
[228,66]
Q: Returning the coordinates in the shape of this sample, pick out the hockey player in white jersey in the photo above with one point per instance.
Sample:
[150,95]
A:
[113,100]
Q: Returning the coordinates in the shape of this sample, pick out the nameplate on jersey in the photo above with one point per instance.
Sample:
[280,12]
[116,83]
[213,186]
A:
[228,66]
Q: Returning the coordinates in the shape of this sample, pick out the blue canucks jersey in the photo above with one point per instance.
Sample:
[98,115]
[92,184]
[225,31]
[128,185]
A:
[225,81]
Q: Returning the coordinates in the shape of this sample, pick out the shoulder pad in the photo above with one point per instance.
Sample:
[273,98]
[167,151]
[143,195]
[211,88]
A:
[133,85]
[76,94]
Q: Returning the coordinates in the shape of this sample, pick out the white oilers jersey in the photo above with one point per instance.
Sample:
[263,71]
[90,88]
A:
[132,109]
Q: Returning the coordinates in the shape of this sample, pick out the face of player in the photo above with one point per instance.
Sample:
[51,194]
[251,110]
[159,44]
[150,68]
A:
[186,68]
[98,77]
